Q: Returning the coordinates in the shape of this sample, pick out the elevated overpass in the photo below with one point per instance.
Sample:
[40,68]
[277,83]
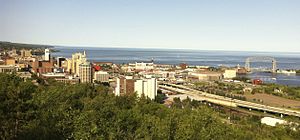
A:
[226,101]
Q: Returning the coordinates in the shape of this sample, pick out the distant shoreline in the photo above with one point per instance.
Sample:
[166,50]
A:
[4,44]
[30,45]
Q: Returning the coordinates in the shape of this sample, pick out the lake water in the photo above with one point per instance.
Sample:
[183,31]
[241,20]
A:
[193,57]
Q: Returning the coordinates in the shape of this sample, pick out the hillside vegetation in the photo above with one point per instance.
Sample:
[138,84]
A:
[84,111]
[9,45]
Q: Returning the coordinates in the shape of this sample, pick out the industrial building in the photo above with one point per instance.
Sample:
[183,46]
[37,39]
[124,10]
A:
[229,74]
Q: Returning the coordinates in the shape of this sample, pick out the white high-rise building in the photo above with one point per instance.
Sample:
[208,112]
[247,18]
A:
[47,54]
[148,87]
[85,72]
[152,88]
[139,87]
[117,89]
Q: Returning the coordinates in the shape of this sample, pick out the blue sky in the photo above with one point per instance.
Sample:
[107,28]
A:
[242,25]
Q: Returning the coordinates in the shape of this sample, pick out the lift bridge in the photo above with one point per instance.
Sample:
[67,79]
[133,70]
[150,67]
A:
[261,59]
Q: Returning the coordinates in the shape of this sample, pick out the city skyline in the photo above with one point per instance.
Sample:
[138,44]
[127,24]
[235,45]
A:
[155,69]
[269,25]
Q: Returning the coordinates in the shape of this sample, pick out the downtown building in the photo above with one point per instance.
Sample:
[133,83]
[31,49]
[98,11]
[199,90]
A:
[124,85]
[101,76]
[85,72]
[7,69]
[72,64]
[42,66]
[142,87]
[146,87]
[25,53]
[47,56]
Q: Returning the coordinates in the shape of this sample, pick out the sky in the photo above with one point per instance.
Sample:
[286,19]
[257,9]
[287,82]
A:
[240,25]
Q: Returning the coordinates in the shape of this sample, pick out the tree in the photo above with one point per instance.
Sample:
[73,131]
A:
[16,110]
[85,111]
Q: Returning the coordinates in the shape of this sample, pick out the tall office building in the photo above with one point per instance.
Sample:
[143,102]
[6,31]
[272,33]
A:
[77,59]
[68,65]
[85,72]
[59,61]
[47,55]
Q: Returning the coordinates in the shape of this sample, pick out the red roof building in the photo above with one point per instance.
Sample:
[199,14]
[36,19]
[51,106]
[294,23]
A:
[257,82]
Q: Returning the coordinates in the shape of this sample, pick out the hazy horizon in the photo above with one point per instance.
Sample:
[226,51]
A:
[128,47]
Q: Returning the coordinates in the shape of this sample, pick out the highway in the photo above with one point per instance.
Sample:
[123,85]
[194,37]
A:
[225,101]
